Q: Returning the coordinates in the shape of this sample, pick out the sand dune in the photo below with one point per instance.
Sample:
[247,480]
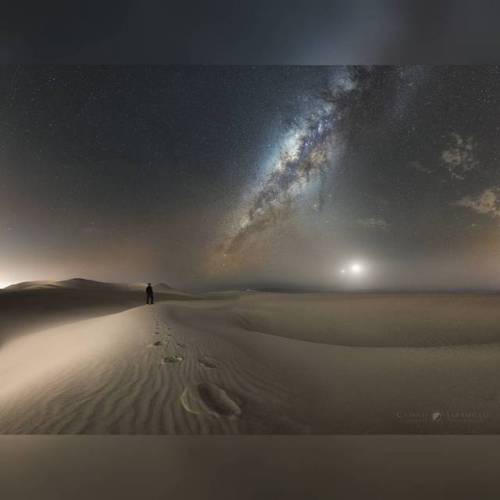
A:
[30,306]
[133,372]
[375,320]
[262,363]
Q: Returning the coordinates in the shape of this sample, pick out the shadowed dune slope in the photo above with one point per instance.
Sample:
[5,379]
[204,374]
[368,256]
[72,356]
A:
[375,320]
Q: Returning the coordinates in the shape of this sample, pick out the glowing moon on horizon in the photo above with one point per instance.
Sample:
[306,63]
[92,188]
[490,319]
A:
[355,268]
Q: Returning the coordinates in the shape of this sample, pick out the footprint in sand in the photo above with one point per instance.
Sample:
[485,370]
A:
[175,358]
[210,399]
[207,362]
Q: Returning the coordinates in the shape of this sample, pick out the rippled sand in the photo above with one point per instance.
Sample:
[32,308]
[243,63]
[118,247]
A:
[259,363]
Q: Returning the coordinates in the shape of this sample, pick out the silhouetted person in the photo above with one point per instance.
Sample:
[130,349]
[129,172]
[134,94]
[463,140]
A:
[149,294]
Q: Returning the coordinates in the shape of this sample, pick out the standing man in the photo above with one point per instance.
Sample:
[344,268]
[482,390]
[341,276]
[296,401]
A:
[149,294]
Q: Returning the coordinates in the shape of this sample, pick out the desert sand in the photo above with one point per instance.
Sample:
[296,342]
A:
[29,306]
[251,363]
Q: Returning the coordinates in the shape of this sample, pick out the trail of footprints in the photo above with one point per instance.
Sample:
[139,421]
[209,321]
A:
[170,357]
[203,398]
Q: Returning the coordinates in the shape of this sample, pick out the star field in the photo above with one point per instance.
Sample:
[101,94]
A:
[251,176]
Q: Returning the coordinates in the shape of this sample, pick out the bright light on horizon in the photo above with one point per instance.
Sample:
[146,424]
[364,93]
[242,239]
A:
[355,268]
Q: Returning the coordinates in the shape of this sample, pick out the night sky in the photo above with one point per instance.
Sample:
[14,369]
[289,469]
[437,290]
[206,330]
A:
[252,176]
[251,32]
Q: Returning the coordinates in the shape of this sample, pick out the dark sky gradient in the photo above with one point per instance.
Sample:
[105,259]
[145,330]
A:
[250,32]
[251,176]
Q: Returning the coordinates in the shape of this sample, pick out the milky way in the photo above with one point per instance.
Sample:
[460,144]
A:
[308,149]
